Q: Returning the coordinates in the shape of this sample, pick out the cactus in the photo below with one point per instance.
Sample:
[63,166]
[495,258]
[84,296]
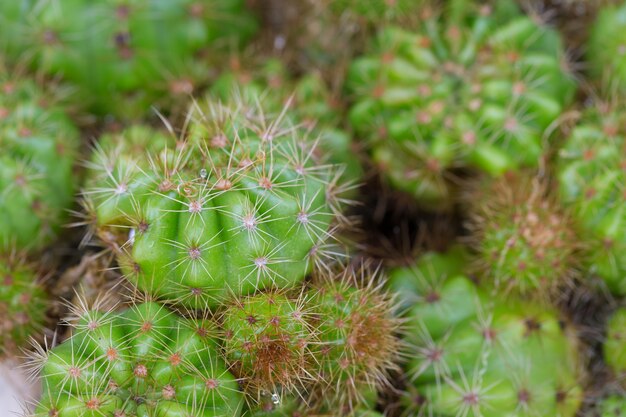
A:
[123,56]
[38,144]
[143,361]
[23,304]
[358,341]
[592,184]
[470,355]
[614,353]
[524,241]
[243,203]
[476,87]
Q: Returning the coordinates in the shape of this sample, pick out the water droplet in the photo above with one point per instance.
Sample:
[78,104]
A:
[131,236]
[275,399]
[203,174]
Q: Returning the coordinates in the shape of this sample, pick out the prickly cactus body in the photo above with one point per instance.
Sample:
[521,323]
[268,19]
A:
[267,341]
[124,55]
[145,361]
[613,406]
[239,205]
[614,353]
[358,342]
[472,356]
[475,87]
[38,145]
[23,304]
[592,182]
[524,241]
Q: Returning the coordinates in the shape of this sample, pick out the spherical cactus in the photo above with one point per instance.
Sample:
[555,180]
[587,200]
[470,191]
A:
[124,55]
[525,243]
[358,338]
[23,304]
[470,356]
[267,340]
[614,353]
[38,145]
[592,184]
[475,87]
[243,203]
[143,361]
[613,406]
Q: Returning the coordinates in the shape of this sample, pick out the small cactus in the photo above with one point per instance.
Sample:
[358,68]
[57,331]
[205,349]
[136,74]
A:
[358,337]
[606,45]
[23,304]
[38,145]
[267,341]
[240,204]
[474,86]
[592,185]
[614,353]
[613,406]
[143,361]
[525,242]
[124,55]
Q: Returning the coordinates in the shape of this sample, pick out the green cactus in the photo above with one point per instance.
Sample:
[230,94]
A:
[23,304]
[475,87]
[524,241]
[358,342]
[614,353]
[124,55]
[474,356]
[243,203]
[376,11]
[145,361]
[267,341]
[613,406]
[38,145]
[592,184]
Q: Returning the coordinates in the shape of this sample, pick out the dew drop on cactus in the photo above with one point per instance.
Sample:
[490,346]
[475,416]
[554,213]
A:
[260,218]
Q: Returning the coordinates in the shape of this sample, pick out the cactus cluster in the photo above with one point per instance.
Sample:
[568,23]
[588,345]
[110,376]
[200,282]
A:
[474,86]
[123,55]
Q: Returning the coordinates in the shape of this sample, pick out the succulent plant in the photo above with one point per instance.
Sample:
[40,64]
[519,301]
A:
[145,361]
[473,355]
[124,55]
[38,145]
[614,353]
[242,203]
[23,304]
[358,338]
[524,241]
[474,86]
[592,184]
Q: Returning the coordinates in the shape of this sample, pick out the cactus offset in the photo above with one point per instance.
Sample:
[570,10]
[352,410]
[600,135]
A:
[614,353]
[476,87]
[143,361]
[524,241]
[613,406]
